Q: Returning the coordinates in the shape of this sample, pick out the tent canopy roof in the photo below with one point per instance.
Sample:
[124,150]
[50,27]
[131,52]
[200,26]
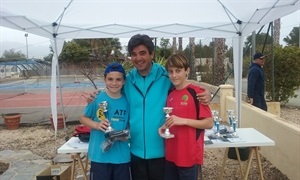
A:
[76,19]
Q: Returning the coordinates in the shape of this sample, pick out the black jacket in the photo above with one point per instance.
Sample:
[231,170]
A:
[256,81]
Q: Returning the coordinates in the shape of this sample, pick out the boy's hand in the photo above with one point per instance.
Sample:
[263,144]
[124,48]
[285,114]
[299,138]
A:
[161,130]
[175,120]
[103,125]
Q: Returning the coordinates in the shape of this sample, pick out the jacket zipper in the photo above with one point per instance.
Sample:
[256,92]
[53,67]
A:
[144,99]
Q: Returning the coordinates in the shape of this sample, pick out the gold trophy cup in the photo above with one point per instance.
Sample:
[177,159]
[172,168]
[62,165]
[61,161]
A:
[103,106]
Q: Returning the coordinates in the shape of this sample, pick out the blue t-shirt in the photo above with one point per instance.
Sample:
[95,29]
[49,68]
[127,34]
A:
[118,115]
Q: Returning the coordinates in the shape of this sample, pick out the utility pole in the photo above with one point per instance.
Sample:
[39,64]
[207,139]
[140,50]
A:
[26,35]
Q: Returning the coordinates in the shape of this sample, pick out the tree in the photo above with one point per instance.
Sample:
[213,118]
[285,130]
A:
[76,57]
[276,31]
[101,49]
[174,46]
[165,48]
[87,55]
[219,61]
[261,39]
[286,72]
[72,53]
[180,48]
[12,55]
[49,57]
[204,51]
[293,38]
[192,74]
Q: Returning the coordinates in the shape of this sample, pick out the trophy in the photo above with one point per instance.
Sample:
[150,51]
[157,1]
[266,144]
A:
[103,106]
[215,115]
[167,133]
[234,121]
[218,120]
[230,115]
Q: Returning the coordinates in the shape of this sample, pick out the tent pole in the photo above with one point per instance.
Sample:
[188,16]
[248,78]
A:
[60,89]
[53,86]
[238,73]
[61,99]
[55,71]
[240,76]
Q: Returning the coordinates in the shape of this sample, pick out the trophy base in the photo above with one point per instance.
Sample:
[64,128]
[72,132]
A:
[168,136]
[234,135]
[216,135]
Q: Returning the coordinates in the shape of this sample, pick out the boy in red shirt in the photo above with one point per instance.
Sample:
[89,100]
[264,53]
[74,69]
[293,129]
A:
[184,152]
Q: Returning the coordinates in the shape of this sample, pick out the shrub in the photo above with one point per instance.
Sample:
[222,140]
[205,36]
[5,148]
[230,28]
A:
[286,73]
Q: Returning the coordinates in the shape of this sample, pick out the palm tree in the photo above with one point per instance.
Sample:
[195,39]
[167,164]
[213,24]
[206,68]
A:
[174,48]
[180,49]
[219,52]
[192,58]
[276,31]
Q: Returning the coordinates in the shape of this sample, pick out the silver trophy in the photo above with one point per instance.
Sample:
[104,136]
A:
[215,115]
[218,120]
[230,113]
[234,121]
[167,133]
[103,106]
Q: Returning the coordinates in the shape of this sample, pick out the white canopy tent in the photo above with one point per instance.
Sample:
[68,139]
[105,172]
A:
[77,19]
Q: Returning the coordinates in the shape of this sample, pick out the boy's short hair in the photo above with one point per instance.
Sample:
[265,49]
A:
[114,67]
[177,60]
[140,39]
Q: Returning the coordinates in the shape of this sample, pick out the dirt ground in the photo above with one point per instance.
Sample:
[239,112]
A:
[41,141]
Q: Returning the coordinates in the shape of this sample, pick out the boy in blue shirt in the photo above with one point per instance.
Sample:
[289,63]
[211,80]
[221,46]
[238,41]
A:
[113,164]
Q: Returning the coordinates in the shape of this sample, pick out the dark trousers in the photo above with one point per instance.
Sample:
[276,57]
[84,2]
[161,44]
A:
[147,169]
[107,171]
[260,102]
[181,173]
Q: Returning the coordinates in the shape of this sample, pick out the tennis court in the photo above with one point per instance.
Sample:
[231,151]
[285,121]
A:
[31,97]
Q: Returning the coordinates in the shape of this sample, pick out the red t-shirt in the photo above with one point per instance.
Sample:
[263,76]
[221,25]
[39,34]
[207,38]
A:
[185,149]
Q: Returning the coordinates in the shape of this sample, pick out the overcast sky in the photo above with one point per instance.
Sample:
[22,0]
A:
[38,47]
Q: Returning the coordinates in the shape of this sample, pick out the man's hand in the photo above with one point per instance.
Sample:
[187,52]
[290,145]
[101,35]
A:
[204,97]
[250,100]
[92,96]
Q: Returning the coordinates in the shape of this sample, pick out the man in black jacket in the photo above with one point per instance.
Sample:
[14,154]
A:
[256,82]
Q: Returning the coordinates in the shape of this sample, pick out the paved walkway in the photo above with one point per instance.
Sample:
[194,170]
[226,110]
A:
[23,165]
